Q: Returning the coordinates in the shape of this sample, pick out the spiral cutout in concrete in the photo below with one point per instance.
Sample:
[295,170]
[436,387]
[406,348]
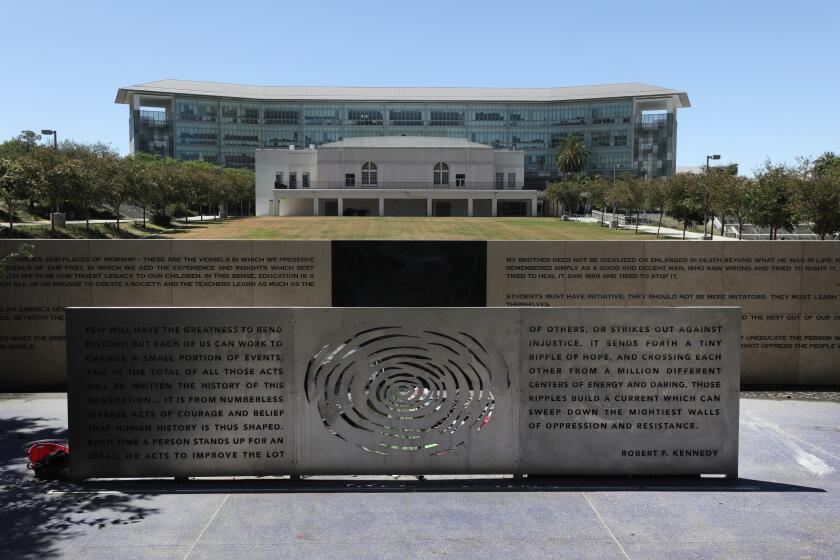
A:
[390,389]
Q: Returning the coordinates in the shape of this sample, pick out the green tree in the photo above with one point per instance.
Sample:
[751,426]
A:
[572,155]
[636,197]
[617,193]
[818,200]
[22,144]
[771,201]
[242,185]
[138,179]
[55,180]
[114,184]
[717,181]
[685,197]
[166,188]
[734,200]
[14,185]
[826,162]
[595,190]
[565,193]
[655,200]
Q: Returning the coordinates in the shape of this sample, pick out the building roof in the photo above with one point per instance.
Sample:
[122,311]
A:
[417,94]
[403,142]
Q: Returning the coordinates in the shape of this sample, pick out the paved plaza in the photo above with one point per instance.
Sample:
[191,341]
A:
[785,505]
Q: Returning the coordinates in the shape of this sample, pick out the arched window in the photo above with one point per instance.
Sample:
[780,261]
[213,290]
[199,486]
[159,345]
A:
[441,174]
[369,173]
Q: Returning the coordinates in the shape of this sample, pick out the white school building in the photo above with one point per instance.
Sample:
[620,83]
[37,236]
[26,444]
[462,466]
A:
[393,176]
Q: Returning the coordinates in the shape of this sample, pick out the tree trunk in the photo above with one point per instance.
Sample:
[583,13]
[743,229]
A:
[638,213]
[685,225]
[722,219]
[118,215]
[712,228]
[661,213]
[740,229]
[11,213]
[144,217]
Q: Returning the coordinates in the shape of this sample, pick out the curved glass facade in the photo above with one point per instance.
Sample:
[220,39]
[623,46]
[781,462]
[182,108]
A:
[226,131]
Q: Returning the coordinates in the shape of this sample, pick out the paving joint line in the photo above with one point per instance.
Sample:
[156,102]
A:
[604,523]
[207,526]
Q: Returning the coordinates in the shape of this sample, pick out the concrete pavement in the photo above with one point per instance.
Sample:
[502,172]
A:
[785,505]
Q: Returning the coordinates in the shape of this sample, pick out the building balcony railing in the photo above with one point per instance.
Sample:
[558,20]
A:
[401,186]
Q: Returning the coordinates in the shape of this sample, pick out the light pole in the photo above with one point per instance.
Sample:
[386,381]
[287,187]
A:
[54,134]
[708,198]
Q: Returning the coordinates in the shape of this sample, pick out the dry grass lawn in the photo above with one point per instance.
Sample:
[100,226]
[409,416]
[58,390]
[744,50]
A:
[323,227]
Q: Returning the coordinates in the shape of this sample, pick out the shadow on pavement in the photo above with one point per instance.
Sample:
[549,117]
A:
[34,521]
[443,484]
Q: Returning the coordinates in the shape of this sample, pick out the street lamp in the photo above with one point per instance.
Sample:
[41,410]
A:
[708,198]
[54,134]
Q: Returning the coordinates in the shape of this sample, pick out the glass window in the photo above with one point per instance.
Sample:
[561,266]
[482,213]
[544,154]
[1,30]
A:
[292,180]
[489,116]
[364,117]
[369,175]
[279,138]
[406,118]
[500,180]
[446,118]
[441,174]
[350,180]
[240,113]
[600,139]
[195,110]
[305,180]
[460,180]
[273,115]
[238,157]
[241,136]
[511,180]
[321,117]
[191,135]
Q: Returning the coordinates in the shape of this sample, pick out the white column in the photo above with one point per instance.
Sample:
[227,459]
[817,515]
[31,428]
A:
[533,207]
[429,206]
[340,211]
[314,205]
[381,206]
[470,207]
[271,207]
[494,212]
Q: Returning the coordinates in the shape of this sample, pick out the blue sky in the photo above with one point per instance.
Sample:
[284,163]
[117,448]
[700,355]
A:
[763,77]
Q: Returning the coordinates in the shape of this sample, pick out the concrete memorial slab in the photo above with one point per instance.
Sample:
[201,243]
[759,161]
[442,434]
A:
[36,287]
[789,291]
[257,391]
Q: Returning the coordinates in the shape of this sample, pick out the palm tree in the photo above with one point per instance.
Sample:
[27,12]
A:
[822,163]
[572,155]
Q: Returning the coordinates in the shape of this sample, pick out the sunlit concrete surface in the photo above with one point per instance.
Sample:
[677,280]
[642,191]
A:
[784,505]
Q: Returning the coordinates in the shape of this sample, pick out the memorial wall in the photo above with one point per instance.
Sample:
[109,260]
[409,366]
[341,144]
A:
[261,391]
[34,290]
[789,291]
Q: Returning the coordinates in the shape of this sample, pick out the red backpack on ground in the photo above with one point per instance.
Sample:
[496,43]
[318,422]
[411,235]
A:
[49,458]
